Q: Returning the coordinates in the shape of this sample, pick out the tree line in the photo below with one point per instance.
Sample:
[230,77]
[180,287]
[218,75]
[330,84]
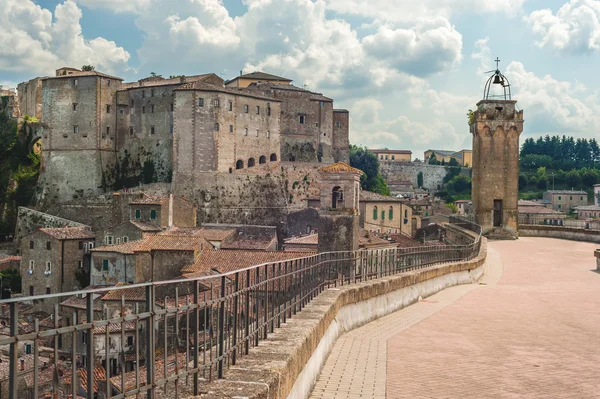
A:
[564,153]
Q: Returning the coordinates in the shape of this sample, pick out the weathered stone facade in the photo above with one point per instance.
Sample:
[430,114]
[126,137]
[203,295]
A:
[29,96]
[496,129]
[433,175]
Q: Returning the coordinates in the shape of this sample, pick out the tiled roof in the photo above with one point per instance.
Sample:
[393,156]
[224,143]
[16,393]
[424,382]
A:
[172,243]
[366,239]
[527,203]
[45,375]
[230,260]
[203,86]
[405,242]
[159,371]
[369,196]
[538,210]
[587,208]
[211,234]
[131,294]
[567,192]
[340,167]
[308,239]
[261,76]
[145,226]
[10,259]
[126,248]
[149,200]
[158,81]
[81,303]
[99,375]
[82,74]
[115,327]
[392,151]
[69,233]
[249,242]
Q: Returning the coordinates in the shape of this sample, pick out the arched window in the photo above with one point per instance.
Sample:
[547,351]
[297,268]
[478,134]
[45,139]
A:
[391,213]
[216,127]
[273,157]
[382,214]
[337,197]
[262,159]
[239,164]
[251,162]
[375,213]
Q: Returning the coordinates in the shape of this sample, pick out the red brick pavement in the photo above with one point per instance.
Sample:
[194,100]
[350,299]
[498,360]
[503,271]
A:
[536,334]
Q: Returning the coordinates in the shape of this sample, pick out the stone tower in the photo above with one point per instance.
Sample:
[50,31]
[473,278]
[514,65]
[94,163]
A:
[496,126]
[339,207]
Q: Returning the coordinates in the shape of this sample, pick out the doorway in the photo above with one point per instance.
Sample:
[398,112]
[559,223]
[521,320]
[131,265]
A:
[497,213]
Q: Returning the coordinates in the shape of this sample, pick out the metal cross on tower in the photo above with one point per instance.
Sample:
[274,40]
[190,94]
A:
[497,62]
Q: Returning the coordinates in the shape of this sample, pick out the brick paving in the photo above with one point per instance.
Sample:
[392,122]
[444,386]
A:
[531,330]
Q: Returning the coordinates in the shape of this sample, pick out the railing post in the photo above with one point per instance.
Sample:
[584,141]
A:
[247,314]
[236,300]
[14,350]
[196,336]
[221,327]
[90,346]
[150,352]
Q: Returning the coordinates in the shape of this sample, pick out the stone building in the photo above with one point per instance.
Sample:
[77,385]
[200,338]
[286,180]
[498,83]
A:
[496,125]
[245,80]
[172,210]
[385,214]
[29,95]
[393,155]
[565,200]
[339,209]
[51,259]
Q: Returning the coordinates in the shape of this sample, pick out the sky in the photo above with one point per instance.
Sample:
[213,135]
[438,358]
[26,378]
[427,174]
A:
[408,70]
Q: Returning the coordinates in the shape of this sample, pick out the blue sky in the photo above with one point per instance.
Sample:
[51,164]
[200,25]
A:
[408,71]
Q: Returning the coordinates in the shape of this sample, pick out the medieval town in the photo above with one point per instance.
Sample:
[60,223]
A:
[202,236]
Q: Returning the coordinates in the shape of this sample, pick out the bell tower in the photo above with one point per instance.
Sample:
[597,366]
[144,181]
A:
[339,207]
[496,125]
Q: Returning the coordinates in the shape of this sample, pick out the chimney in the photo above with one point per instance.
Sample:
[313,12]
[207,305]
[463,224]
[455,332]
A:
[22,361]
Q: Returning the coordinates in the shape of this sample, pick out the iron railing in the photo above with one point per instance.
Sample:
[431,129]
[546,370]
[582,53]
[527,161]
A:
[558,221]
[167,338]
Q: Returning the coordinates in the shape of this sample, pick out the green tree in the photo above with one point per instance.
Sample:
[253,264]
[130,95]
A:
[535,161]
[365,160]
[459,185]
[453,162]
[573,179]
[522,182]
[88,68]
[420,180]
[433,160]
[589,177]
[11,279]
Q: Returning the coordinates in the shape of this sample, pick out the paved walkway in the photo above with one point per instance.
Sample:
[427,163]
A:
[531,329]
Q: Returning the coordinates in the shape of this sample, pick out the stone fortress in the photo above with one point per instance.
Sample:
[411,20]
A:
[99,133]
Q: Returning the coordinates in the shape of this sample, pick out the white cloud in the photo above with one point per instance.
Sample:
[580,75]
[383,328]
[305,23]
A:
[429,47]
[483,54]
[553,106]
[409,10]
[31,41]
[118,6]
[575,28]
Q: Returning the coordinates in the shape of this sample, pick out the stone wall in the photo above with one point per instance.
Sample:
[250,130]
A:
[29,96]
[29,220]
[433,175]
[564,233]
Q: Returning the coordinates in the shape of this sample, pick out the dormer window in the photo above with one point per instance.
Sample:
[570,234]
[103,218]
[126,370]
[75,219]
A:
[337,198]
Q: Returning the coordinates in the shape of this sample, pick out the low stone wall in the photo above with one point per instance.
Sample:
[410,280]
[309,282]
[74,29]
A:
[565,233]
[288,363]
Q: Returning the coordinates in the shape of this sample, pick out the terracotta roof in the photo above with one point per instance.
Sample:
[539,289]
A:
[249,242]
[211,234]
[587,208]
[159,371]
[538,210]
[405,242]
[115,327]
[69,233]
[126,248]
[308,239]
[340,167]
[230,260]
[172,243]
[369,196]
[99,375]
[366,239]
[392,151]
[567,192]
[10,259]
[45,375]
[131,294]
[260,76]
[145,226]
[82,74]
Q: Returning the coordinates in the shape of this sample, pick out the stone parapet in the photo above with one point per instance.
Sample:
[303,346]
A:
[289,362]
[565,233]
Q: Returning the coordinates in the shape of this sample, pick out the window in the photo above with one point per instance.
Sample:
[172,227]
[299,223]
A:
[48,291]
[262,159]
[558,206]
[245,131]
[109,240]
[31,290]
[406,213]
[131,130]
[108,82]
[31,265]
[48,267]
[75,82]
[151,130]
[230,128]
[571,198]
[257,133]
[246,108]
[391,213]
[108,109]
[132,103]
[251,162]
[48,245]
[118,240]
[122,111]
[75,129]
[257,110]
[393,157]
[172,107]
[201,102]
[559,198]
[239,164]
[337,124]
[382,215]
[152,109]
[216,103]
[375,213]
[302,119]
[152,93]
[268,110]
[138,213]
[75,107]
[381,157]
[268,134]
[273,158]
[153,214]
[30,244]
[107,130]
[125,239]
[171,129]
[143,93]
[216,127]
[130,340]
[104,264]
[80,244]
[581,199]
[386,157]
[143,109]
[230,106]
